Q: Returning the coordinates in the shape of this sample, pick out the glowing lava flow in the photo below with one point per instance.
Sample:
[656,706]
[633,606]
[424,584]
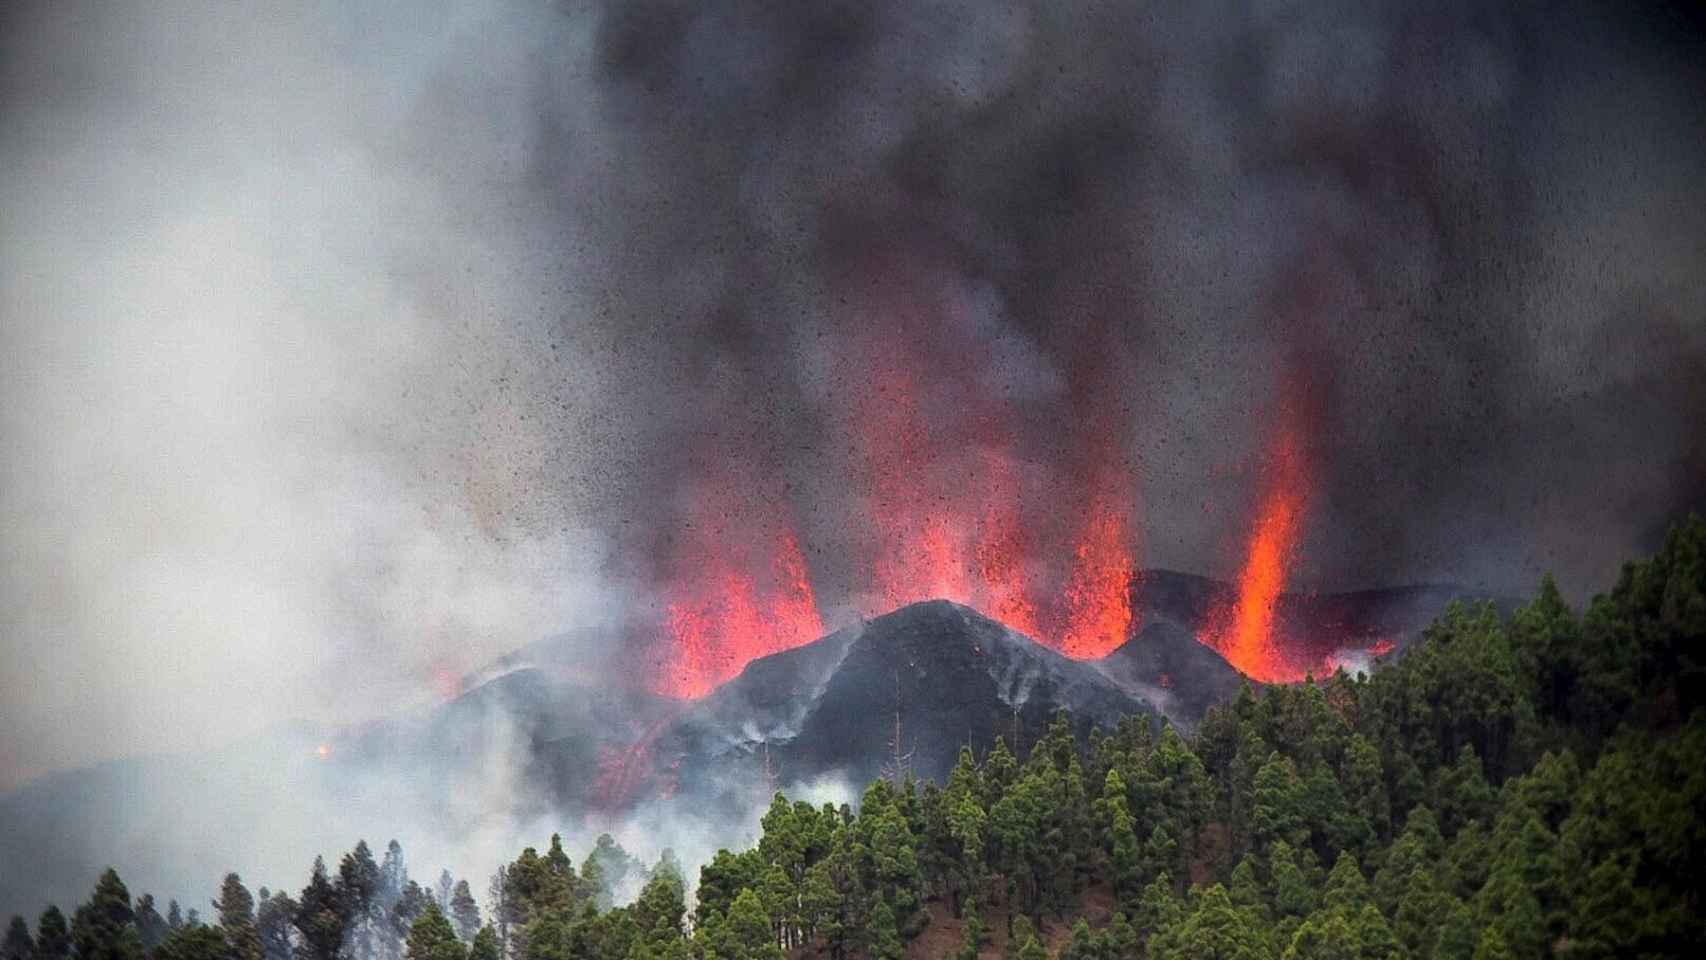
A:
[1244,635]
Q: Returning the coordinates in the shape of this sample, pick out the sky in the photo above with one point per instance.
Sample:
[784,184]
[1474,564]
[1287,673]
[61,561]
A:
[348,347]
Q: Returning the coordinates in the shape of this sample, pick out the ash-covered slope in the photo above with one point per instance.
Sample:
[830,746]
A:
[949,675]
[1164,663]
[548,730]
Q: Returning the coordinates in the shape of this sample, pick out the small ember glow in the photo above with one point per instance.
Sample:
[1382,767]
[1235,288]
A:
[323,751]
[446,682]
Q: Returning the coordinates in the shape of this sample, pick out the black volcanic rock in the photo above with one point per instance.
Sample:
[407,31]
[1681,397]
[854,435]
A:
[1166,664]
[954,676]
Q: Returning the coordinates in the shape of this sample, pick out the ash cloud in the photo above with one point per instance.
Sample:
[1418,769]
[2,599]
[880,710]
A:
[346,348]
[1470,235]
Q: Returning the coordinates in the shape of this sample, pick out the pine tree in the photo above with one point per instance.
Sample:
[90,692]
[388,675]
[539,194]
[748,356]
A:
[1326,935]
[1347,891]
[1214,929]
[822,905]
[967,825]
[53,937]
[1083,944]
[18,945]
[1000,771]
[722,880]
[1125,861]
[411,906]
[1548,633]
[1121,938]
[359,884]
[320,918]
[745,933]
[485,945]
[782,841]
[1277,812]
[1374,935]
[971,932]
[464,911]
[1160,853]
[236,909]
[1157,908]
[1365,784]
[150,926]
[659,908]
[778,896]
[883,933]
[1244,890]
[275,919]
[1463,792]
[1420,846]
[606,870]
[506,911]
[1020,931]
[432,938]
[1420,910]
[1292,894]
[104,928]
[1456,939]
[386,936]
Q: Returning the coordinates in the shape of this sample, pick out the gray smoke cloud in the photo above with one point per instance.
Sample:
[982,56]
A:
[354,346]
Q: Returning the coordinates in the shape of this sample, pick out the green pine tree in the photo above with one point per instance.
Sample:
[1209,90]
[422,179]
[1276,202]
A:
[485,945]
[431,937]
[104,928]
[53,936]
[236,910]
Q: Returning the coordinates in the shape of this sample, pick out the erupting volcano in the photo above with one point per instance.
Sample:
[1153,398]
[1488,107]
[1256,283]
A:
[939,496]
[949,507]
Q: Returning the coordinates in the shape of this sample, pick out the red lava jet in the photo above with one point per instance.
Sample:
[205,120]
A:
[1245,632]
[1249,631]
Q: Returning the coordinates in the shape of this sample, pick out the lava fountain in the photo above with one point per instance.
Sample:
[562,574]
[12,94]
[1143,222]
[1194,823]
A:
[741,591]
[1245,633]
[942,504]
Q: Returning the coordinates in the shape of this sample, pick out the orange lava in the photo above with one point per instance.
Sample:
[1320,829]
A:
[1245,634]
[1098,594]
[727,616]
[999,554]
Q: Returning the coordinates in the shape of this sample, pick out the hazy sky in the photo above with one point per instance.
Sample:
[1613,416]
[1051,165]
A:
[352,345]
